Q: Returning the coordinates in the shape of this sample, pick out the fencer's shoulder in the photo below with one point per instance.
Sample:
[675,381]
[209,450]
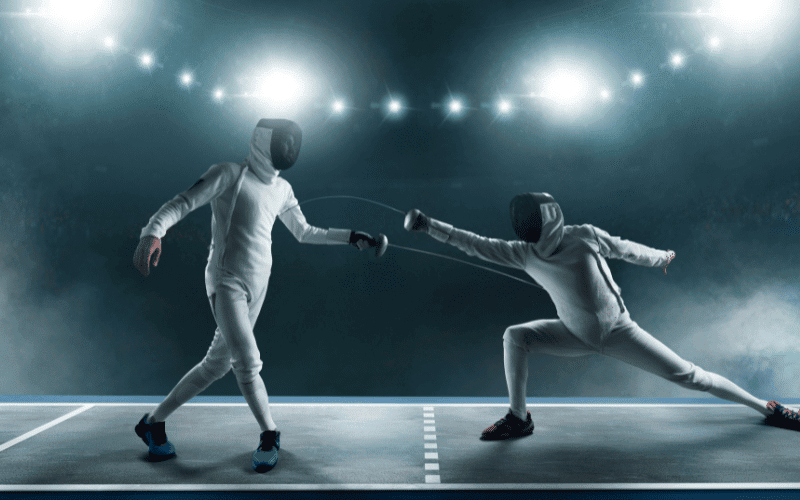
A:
[227,168]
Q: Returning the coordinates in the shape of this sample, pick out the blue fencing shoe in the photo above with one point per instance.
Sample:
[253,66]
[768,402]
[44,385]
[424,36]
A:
[154,436]
[266,455]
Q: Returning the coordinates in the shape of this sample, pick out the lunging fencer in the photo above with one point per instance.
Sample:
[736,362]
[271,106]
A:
[569,262]
[245,199]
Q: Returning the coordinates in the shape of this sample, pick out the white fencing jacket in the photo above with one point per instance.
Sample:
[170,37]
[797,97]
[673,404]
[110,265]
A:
[569,262]
[245,200]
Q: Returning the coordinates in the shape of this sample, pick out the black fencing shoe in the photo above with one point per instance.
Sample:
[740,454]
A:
[155,437]
[507,427]
[266,455]
[782,417]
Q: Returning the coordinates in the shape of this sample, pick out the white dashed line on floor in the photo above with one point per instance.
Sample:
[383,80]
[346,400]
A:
[432,458]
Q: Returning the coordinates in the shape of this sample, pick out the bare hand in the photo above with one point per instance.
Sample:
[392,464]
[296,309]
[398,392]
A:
[149,248]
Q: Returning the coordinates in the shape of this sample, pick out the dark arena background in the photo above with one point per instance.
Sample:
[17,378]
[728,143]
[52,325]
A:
[674,124]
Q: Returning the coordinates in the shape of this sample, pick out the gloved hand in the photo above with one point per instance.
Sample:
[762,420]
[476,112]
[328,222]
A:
[362,240]
[671,256]
[416,221]
[149,248]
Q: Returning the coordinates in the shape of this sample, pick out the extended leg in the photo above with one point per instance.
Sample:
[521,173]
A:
[630,343]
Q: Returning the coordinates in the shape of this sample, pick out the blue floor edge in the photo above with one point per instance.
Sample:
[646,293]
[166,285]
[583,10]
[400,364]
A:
[367,400]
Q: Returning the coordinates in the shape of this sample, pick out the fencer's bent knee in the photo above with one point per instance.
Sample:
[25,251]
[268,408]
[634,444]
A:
[696,379]
[214,369]
[247,371]
[514,338]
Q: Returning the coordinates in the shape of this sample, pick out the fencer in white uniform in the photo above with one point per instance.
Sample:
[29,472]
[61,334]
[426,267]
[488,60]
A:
[569,262]
[245,199]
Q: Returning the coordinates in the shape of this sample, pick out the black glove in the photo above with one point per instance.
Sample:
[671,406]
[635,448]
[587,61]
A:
[416,221]
[362,240]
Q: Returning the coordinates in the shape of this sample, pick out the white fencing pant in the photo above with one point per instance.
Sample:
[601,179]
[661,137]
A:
[627,342]
[234,344]
[233,347]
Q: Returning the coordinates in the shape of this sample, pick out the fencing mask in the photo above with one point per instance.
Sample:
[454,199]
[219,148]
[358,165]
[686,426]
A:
[537,218]
[285,141]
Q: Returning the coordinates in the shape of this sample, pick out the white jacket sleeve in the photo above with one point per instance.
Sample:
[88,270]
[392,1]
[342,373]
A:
[615,247]
[294,220]
[217,179]
[502,252]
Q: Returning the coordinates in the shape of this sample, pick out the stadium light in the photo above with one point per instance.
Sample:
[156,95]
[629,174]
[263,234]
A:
[749,17]
[284,88]
[186,79]
[566,88]
[146,60]
[504,107]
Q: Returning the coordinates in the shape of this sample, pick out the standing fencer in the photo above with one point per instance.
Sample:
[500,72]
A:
[245,200]
[569,263]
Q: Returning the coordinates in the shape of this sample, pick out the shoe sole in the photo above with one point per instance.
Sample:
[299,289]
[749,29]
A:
[500,438]
[263,468]
[151,457]
[782,423]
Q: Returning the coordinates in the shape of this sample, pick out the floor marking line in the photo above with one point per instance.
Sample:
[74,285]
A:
[19,439]
[430,446]
[472,405]
[399,486]
[430,466]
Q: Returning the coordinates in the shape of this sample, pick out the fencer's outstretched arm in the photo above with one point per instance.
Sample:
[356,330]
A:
[615,247]
[210,185]
[502,252]
[294,220]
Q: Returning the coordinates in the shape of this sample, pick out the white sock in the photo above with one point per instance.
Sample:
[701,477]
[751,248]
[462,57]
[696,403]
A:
[515,361]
